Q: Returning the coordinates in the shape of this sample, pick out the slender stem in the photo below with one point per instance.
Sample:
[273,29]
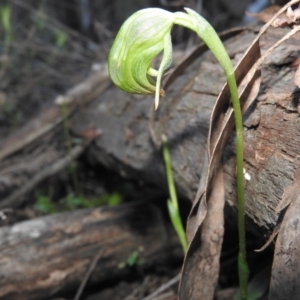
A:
[206,32]
[173,207]
[169,173]
[242,263]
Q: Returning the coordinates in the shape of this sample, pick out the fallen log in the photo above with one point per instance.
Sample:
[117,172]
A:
[130,143]
[50,255]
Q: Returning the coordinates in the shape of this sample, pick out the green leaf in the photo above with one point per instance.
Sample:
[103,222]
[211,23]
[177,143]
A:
[45,205]
[258,286]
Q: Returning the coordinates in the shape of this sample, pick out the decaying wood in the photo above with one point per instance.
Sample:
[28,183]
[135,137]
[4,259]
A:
[126,146]
[50,255]
[271,129]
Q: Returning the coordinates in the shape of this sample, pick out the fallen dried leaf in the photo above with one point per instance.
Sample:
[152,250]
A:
[266,14]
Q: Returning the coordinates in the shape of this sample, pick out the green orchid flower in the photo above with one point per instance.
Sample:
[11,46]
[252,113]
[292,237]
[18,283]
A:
[141,38]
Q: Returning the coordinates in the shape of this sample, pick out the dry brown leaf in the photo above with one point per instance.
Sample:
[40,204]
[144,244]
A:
[203,259]
[270,239]
[266,14]
[290,18]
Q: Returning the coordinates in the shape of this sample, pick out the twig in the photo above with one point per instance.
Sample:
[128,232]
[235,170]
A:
[163,288]
[88,274]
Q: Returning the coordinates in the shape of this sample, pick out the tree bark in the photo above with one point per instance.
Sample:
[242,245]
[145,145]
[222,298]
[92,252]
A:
[49,255]
[271,129]
[131,131]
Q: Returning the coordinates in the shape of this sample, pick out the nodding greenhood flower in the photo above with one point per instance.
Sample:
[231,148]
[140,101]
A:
[143,36]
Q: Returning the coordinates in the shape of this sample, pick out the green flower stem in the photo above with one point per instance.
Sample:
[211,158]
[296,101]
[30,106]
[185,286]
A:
[173,203]
[141,38]
[206,32]
[242,262]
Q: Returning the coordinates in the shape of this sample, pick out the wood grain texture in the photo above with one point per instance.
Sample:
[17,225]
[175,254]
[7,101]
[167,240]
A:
[50,255]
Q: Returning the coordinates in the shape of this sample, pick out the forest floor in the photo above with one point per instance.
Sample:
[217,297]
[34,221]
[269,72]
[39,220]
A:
[42,55]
